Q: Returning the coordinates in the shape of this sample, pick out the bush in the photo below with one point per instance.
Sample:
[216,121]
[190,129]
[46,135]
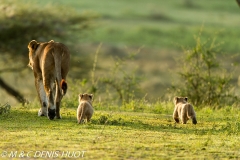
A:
[5,109]
[21,23]
[118,84]
[204,80]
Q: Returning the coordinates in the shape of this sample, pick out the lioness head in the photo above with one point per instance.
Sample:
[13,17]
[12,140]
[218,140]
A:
[32,47]
[180,100]
[86,97]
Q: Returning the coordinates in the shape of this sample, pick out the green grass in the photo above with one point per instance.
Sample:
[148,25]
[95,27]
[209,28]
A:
[122,135]
[137,130]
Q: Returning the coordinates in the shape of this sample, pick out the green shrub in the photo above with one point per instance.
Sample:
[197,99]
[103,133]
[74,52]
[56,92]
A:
[203,79]
[116,85]
[5,109]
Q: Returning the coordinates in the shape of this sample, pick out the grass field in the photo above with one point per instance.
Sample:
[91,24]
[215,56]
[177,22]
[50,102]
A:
[155,30]
[120,135]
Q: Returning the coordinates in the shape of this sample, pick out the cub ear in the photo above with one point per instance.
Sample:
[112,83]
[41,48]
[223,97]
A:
[175,99]
[80,96]
[186,98]
[90,96]
[33,45]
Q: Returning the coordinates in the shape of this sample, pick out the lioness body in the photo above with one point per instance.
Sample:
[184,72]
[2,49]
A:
[85,109]
[50,64]
[183,111]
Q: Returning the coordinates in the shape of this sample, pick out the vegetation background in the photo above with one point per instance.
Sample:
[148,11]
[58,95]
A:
[133,56]
[142,40]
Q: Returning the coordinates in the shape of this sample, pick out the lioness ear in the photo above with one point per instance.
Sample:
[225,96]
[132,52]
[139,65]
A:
[33,45]
[186,98]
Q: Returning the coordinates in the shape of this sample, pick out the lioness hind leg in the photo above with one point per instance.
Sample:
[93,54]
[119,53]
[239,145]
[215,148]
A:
[42,97]
[51,107]
[58,116]
[58,98]
[47,81]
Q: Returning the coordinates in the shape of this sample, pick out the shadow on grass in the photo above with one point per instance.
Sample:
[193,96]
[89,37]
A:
[23,119]
[164,123]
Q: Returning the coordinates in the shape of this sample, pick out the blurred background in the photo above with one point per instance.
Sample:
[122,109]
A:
[120,49]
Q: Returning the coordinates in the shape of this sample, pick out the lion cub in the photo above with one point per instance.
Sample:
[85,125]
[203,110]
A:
[85,109]
[183,110]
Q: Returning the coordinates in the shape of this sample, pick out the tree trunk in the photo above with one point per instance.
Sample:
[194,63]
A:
[12,92]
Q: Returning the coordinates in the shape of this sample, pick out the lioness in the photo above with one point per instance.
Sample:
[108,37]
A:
[50,64]
[183,110]
[85,109]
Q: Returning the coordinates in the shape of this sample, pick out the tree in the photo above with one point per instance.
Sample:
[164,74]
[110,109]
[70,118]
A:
[21,23]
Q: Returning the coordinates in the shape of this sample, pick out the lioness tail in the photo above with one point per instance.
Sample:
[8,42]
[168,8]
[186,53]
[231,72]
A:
[64,86]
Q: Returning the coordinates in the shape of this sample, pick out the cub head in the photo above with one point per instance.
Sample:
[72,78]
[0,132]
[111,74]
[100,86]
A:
[86,97]
[32,47]
[180,100]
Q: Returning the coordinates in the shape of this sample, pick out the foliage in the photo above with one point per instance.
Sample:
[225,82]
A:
[124,81]
[125,85]
[157,27]
[115,84]
[109,88]
[21,23]
[204,80]
[5,109]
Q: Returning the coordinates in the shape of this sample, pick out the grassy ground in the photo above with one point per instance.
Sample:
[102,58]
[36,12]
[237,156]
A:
[132,132]
[120,135]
